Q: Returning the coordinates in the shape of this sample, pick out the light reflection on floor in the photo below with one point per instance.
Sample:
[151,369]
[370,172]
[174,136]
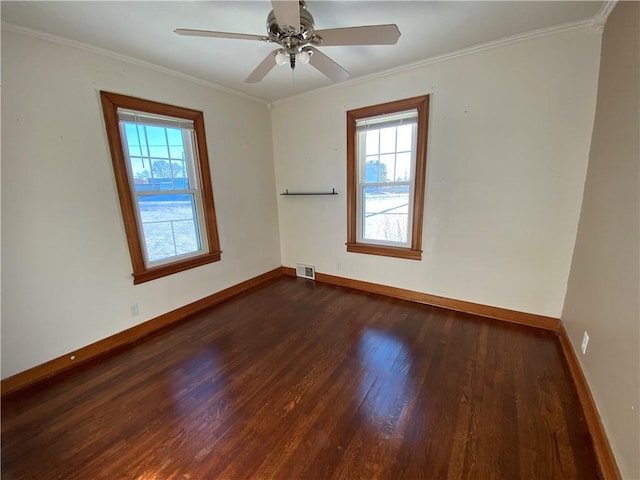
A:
[386,384]
[186,377]
[207,407]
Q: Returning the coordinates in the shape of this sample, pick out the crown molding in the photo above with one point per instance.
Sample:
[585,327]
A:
[596,22]
[11,27]
[601,17]
[592,23]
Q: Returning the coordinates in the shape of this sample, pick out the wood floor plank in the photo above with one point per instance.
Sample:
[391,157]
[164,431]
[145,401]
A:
[297,379]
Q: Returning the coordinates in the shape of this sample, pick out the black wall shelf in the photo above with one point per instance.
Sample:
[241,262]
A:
[332,192]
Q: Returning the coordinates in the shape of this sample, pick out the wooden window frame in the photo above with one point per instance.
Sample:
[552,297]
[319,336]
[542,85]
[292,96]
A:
[414,252]
[141,272]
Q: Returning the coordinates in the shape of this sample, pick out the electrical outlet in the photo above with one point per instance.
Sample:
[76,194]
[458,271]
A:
[585,342]
[135,311]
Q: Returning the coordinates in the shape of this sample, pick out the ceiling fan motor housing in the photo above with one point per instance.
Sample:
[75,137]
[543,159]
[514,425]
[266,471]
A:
[291,39]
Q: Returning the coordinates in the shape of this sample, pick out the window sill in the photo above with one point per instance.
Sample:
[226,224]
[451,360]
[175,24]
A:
[171,268]
[384,251]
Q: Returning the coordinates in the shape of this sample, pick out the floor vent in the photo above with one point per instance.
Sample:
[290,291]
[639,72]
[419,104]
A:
[306,271]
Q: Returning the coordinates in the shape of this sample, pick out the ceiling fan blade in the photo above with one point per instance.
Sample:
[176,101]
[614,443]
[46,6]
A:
[262,69]
[367,35]
[210,33]
[327,66]
[287,13]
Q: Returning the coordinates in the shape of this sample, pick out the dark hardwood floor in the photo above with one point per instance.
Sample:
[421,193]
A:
[300,380]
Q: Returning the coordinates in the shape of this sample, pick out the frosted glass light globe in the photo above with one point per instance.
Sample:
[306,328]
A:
[281,58]
[303,56]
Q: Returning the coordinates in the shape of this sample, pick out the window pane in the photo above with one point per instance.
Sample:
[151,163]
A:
[372,170]
[152,172]
[385,213]
[166,176]
[373,138]
[155,135]
[133,140]
[170,225]
[176,151]
[161,168]
[141,137]
[403,167]
[158,151]
[175,136]
[405,132]
[151,166]
[135,152]
[388,140]
[387,170]
[138,167]
[179,170]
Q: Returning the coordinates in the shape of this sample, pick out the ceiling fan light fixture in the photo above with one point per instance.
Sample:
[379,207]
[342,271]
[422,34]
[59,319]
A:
[304,56]
[282,58]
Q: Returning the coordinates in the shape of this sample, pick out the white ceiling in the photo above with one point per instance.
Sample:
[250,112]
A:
[144,30]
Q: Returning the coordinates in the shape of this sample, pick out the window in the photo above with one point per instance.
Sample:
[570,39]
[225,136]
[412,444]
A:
[161,168]
[386,165]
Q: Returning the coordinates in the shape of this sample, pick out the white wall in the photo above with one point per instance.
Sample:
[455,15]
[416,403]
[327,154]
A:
[604,285]
[509,138]
[66,272]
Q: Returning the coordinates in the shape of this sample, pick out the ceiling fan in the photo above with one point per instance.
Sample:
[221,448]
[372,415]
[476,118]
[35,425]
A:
[291,26]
